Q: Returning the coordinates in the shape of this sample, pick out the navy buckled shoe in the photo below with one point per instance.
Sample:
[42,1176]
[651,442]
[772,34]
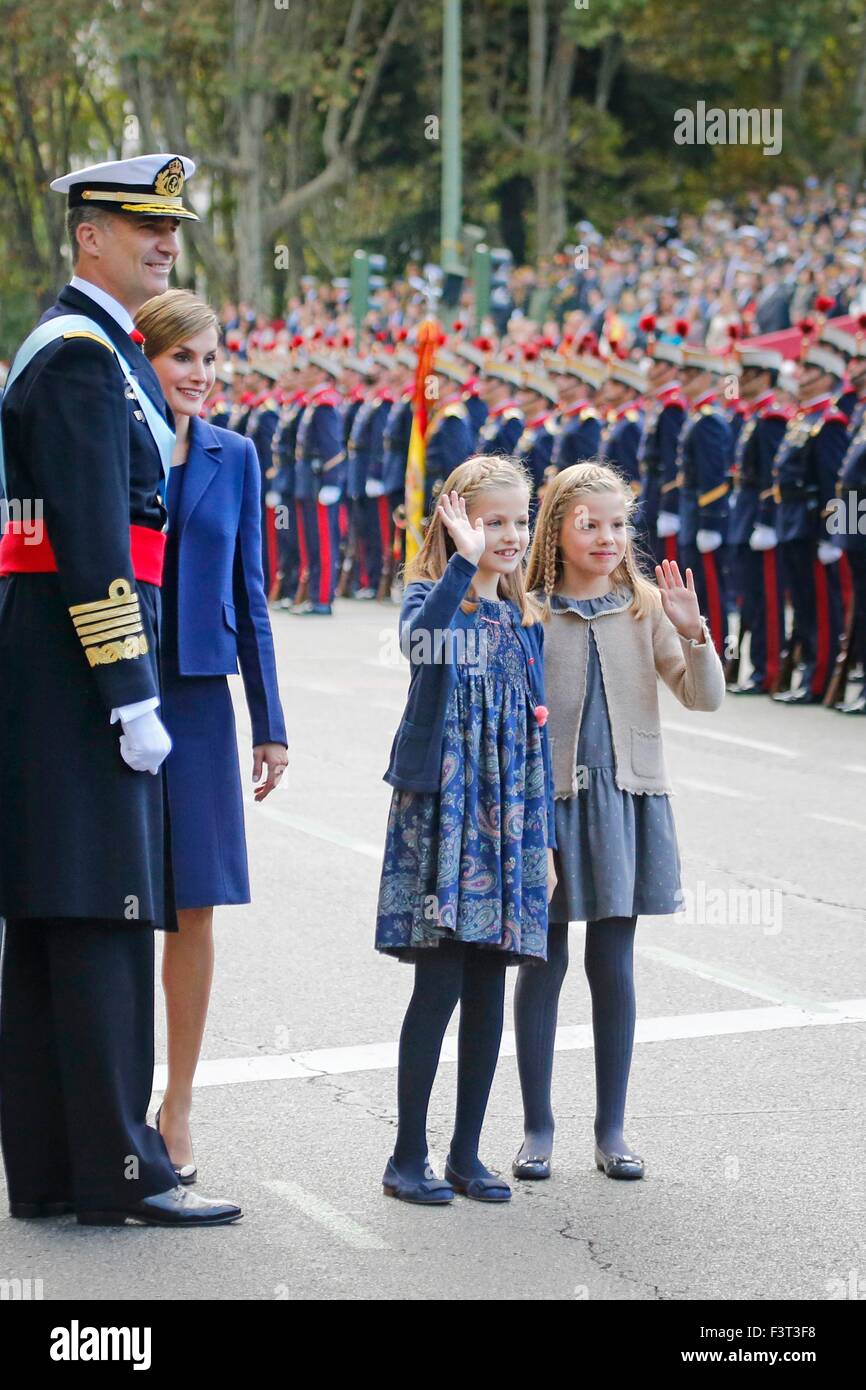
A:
[479,1189]
[615,1165]
[430,1191]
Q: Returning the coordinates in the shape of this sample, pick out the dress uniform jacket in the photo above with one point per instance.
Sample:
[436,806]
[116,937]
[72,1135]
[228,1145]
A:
[319,442]
[620,440]
[449,443]
[806,468]
[502,429]
[395,444]
[752,503]
[579,436]
[81,834]
[703,451]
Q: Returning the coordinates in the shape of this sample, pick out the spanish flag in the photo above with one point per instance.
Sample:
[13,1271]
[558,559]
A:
[429,338]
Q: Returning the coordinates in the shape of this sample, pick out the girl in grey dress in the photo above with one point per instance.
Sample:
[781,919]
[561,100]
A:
[617,853]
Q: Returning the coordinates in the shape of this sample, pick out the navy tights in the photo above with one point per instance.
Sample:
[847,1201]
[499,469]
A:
[608,960]
[445,974]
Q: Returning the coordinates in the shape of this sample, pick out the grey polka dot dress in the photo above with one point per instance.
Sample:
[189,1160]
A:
[617,854]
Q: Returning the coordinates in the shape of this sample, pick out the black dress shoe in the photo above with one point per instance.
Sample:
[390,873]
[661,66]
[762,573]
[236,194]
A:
[532,1169]
[801,696]
[29,1211]
[622,1165]
[176,1207]
[187,1173]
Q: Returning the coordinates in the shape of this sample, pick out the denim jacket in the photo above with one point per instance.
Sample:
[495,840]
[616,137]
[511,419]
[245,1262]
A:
[431,624]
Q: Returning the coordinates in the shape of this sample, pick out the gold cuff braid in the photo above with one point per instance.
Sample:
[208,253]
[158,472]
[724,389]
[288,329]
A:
[110,629]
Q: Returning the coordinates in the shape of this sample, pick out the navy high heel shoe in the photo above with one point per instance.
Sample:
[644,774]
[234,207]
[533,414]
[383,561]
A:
[188,1172]
[479,1189]
[615,1165]
[430,1191]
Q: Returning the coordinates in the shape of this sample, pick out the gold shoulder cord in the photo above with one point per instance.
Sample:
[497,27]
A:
[110,629]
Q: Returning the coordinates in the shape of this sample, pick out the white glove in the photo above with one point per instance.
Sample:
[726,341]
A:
[329,494]
[828,553]
[762,538]
[273,499]
[707,541]
[668,524]
[374,487]
[144,743]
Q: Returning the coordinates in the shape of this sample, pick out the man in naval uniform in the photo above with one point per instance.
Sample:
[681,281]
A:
[85,876]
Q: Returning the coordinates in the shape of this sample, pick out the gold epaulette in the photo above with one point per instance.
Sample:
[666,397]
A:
[110,629]
[512,414]
[632,415]
[455,408]
[83,333]
[551,425]
[588,413]
[708,410]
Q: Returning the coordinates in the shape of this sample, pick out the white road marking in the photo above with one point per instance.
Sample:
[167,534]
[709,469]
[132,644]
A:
[854,767]
[755,743]
[714,789]
[837,820]
[337,1222]
[336,1061]
[719,974]
[318,831]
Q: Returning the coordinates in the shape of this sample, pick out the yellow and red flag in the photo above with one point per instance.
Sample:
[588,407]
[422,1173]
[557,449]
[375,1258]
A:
[429,338]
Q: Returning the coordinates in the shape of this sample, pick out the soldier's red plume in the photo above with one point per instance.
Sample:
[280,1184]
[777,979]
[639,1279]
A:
[346,340]
[681,327]
[824,303]
[483,344]
[733,331]
[861,322]
[806,326]
[298,340]
[647,324]
[401,335]
[458,326]
[530,354]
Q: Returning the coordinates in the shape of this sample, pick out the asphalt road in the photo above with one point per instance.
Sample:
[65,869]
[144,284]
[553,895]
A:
[746,1097]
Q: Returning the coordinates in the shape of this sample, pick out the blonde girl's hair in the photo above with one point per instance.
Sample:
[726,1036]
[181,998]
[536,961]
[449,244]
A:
[471,480]
[171,318]
[567,491]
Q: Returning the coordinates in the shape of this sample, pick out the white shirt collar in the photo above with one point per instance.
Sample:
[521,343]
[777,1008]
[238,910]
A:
[105,301]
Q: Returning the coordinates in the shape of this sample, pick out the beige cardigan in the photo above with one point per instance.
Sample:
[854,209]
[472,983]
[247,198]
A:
[632,652]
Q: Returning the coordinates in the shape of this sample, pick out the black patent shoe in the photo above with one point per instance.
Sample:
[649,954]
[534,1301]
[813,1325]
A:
[532,1169]
[619,1165]
[176,1207]
[187,1173]
[31,1211]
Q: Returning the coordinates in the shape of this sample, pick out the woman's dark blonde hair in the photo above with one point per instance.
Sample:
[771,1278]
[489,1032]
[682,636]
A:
[172,318]
[563,495]
[471,480]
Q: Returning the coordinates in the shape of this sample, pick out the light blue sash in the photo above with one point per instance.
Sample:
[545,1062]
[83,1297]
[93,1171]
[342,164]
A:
[53,329]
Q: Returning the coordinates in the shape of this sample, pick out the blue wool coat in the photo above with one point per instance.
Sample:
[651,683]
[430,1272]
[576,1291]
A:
[222,610]
[430,617]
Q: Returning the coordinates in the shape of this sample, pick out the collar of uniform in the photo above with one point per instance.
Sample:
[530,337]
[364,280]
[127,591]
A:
[819,403]
[316,396]
[708,398]
[573,409]
[298,397]
[670,388]
[106,301]
[623,409]
[384,393]
[500,409]
[762,402]
[539,420]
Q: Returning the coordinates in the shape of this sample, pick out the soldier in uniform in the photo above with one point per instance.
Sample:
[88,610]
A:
[358,373]
[395,445]
[752,522]
[658,519]
[504,424]
[282,485]
[85,873]
[365,488]
[320,481]
[703,451]
[449,433]
[537,399]
[851,492]
[623,418]
[805,471]
[578,383]
[260,426]
[219,405]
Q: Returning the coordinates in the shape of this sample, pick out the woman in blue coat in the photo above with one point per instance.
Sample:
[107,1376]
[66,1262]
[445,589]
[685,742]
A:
[215,617]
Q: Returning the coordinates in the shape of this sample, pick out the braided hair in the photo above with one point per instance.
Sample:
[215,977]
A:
[562,495]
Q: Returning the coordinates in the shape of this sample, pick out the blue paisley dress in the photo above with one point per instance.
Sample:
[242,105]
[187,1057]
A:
[469,862]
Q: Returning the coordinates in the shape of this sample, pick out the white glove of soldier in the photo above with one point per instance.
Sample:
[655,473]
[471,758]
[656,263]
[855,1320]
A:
[329,494]
[762,538]
[668,524]
[707,541]
[828,553]
[144,743]
[374,487]
[273,499]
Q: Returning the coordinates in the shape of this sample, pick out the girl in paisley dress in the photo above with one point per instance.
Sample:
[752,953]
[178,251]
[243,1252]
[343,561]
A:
[468,866]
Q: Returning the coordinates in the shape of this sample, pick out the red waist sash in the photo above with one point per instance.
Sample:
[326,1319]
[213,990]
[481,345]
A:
[20,554]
